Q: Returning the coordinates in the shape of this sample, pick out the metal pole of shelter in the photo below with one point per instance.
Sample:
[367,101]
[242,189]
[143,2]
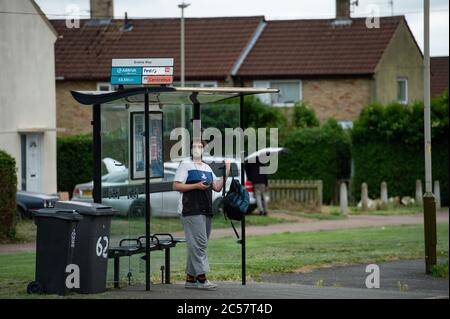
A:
[147,191]
[242,126]
[429,203]
[97,152]
[196,112]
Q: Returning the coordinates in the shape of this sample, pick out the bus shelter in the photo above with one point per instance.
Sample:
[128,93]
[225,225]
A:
[130,125]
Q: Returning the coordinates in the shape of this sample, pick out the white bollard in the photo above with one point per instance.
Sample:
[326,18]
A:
[384,194]
[437,194]
[364,196]
[419,193]
[343,198]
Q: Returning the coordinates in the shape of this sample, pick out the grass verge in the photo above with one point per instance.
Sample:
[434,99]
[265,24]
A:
[277,253]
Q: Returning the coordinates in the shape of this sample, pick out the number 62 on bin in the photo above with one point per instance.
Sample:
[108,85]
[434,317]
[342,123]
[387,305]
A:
[102,250]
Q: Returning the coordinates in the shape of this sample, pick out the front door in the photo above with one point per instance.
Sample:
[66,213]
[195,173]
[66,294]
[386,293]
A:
[33,162]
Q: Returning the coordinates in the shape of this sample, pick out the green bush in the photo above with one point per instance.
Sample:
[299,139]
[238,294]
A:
[8,189]
[317,153]
[258,114]
[75,162]
[304,117]
[388,145]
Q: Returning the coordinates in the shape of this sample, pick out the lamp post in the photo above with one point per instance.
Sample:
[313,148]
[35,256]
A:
[182,6]
[429,204]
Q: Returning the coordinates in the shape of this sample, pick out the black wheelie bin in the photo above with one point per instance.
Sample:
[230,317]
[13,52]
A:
[91,252]
[57,239]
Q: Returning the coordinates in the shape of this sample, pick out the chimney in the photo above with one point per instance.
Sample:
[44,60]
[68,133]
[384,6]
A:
[102,9]
[342,9]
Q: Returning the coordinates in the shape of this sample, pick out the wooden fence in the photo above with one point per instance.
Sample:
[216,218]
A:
[306,193]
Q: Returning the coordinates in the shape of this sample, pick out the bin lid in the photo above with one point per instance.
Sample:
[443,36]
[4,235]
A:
[59,213]
[84,208]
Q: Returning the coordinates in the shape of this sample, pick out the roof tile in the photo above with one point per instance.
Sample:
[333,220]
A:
[317,47]
[439,75]
[212,45]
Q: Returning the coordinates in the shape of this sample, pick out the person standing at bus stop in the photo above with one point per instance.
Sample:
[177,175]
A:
[195,180]
[259,182]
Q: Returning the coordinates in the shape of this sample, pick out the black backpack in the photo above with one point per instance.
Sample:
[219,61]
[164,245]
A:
[235,202]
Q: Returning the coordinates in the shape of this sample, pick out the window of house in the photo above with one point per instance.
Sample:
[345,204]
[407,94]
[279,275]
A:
[402,91]
[290,92]
[104,86]
[198,84]
[346,124]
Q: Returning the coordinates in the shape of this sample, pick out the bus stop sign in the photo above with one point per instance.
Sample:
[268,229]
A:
[142,71]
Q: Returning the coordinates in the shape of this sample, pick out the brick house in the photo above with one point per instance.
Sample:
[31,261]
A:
[439,75]
[335,66]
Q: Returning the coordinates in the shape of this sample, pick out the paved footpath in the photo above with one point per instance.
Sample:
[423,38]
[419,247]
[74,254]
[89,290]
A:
[400,276]
[353,221]
[254,290]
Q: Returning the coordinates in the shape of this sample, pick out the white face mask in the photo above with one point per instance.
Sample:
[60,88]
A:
[197,152]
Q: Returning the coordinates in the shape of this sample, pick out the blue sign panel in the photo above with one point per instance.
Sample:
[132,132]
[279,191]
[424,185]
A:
[142,71]
[126,79]
[126,71]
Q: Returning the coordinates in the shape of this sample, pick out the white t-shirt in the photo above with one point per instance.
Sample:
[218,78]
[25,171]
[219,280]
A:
[189,172]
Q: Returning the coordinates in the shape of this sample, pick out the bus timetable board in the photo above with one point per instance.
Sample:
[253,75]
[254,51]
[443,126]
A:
[137,145]
[142,71]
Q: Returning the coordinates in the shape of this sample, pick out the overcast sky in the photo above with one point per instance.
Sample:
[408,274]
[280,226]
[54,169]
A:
[279,9]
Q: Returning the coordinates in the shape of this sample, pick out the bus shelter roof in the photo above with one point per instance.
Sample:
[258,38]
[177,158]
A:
[167,95]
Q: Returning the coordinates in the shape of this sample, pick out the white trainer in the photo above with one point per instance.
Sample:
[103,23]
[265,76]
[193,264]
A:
[207,285]
[190,285]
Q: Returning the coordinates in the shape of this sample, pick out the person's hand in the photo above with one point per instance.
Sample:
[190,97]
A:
[201,186]
[227,167]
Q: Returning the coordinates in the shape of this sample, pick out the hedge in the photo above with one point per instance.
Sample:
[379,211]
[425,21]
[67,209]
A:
[8,189]
[75,157]
[388,145]
[75,162]
[317,153]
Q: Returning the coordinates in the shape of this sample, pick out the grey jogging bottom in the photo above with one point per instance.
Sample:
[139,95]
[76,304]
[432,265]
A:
[260,196]
[197,229]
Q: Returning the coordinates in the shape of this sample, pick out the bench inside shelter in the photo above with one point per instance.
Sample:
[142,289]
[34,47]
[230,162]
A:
[133,246]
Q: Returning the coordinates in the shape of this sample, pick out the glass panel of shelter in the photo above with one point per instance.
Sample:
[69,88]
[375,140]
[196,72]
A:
[128,197]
